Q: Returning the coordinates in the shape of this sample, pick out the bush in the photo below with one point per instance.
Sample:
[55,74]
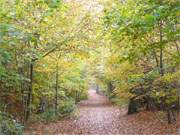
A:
[83,96]
[119,102]
[64,109]
[9,126]
[48,116]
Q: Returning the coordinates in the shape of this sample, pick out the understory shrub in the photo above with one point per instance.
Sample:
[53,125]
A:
[121,102]
[65,108]
[8,126]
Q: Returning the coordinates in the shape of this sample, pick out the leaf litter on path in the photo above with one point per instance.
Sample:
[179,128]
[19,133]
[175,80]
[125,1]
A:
[98,117]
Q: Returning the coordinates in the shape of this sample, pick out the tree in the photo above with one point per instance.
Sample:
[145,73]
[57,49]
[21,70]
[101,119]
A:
[143,33]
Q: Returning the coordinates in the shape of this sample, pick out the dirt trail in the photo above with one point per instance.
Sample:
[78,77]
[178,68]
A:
[98,117]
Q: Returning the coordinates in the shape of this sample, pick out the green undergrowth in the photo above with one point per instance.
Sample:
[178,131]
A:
[8,126]
[65,109]
[119,102]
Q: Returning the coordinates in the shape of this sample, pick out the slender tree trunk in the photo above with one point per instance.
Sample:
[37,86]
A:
[156,58]
[22,94]
[56,88]
[31,71]
[161,62]
[29,96]
[177,48]
[161,51]
[178,103]
[171,116]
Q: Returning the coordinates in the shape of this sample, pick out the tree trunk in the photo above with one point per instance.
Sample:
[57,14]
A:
[156,58]
[161,50]
[178,104]
[161,62]
[133,106]
[171,116]
[29,96]
[56,88]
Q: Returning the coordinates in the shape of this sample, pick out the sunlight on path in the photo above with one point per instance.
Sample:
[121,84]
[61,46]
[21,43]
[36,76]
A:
[98,117]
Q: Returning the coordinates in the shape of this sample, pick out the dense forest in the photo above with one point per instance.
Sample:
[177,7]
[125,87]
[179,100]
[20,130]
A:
[53,51]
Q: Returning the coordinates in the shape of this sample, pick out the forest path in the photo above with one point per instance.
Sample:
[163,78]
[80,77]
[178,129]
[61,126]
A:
[98,117]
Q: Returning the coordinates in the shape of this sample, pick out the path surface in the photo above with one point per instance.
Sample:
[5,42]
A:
[98,117]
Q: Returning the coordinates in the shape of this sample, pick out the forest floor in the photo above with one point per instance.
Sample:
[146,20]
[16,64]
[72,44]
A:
[98,117]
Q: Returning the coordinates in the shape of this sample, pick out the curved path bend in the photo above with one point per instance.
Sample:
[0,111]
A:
[98,117]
